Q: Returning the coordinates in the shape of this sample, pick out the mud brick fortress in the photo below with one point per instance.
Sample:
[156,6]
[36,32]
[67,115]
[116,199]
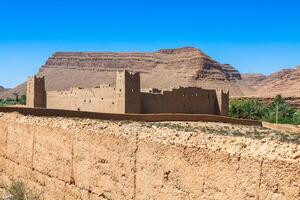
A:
[126,97]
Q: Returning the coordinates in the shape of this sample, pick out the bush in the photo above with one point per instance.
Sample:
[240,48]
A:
[296,118]
[18,191]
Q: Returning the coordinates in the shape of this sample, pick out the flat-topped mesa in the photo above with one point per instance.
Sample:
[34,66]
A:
[181,50]
[190,59]
[126,97]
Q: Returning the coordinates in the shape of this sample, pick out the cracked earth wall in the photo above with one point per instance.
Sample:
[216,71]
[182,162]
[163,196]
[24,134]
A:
[78,164]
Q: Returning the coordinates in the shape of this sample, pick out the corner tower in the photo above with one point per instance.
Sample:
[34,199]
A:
[223,102]
[128,92]
[36,93]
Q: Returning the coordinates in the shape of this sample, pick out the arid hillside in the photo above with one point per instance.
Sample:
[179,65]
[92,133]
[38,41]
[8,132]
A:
[285,82]
[162,69]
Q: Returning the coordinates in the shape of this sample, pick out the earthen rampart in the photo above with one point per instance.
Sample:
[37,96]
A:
[71,159]
[126,117]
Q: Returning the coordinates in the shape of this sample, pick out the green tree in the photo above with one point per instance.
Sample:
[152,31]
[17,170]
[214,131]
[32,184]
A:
[246,109]
[279,111]
[22,100]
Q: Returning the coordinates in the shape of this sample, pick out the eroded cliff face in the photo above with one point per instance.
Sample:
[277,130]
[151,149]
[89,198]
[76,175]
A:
[193,62]
[93,159]
[285,82]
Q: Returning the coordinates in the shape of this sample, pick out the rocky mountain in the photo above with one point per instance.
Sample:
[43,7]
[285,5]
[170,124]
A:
[253,79]
[161,69]
[285,82]
[2,88]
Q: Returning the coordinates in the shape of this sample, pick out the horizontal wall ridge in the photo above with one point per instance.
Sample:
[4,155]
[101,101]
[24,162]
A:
[135,117]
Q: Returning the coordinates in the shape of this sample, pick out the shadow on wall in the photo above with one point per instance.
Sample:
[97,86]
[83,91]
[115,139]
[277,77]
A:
[134,117]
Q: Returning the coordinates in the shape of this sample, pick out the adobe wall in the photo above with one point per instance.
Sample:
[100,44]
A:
[62,164]
[72,162]
[101,99]
[183,100]
[133,117]
[123,98]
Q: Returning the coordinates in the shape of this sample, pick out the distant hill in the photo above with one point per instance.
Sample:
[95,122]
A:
[2,89]
[285,82]
[165,68]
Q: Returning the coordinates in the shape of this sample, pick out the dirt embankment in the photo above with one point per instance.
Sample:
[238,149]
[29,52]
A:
[95,159]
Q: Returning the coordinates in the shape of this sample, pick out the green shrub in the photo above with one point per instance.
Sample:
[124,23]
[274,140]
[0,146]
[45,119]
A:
[296,118]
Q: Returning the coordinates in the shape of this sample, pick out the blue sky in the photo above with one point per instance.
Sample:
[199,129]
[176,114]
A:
[254,36]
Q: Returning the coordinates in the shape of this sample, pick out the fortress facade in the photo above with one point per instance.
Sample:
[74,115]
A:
[127,97]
